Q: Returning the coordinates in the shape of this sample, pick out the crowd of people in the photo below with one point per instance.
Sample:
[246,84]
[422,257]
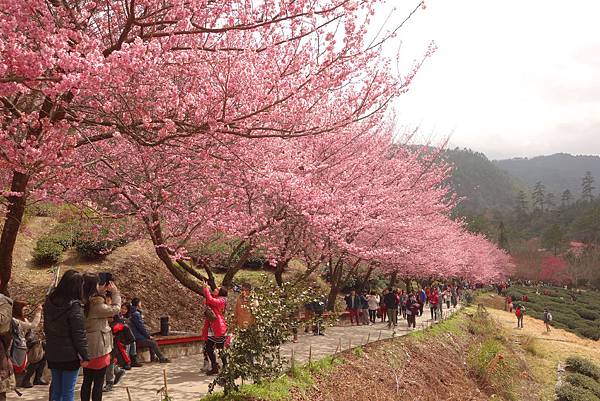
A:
[86,325]
[366,307]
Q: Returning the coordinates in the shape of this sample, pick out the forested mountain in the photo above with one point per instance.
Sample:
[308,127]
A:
[557,172]
[484,186]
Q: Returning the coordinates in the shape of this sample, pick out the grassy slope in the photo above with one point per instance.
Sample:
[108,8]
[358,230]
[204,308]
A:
[465,358]
[572,311]
[543,351]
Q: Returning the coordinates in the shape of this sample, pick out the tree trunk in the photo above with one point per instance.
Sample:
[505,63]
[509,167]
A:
[408,284]
[12,223]
[181,275]
[393,279]
[279,268]
[336,279]
[232,270]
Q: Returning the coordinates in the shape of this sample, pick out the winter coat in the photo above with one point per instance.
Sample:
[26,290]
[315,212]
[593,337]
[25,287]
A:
[218,326]
[373,301]
[7,378]
[99,335]
[391,300]
[433,299]
[353,302]
[137,325]
[422,297]
[66,339]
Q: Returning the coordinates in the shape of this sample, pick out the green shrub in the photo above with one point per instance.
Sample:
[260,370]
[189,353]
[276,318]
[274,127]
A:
[46,251]
[587,314]
[583,366]
[568,392]
[49,247]
[586,382]
[93,249]
[589,332]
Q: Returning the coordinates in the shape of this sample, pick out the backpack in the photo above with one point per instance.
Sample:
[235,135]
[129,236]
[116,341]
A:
[518,312]
[549,316]
[18,348]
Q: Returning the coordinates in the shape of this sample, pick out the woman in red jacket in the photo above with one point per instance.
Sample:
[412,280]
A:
[214,332]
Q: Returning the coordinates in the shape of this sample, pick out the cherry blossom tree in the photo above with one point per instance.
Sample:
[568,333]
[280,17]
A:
[137,74]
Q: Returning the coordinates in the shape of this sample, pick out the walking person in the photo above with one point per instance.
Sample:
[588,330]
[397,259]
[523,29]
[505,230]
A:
[373,303]
[433,301]
[364,308]
[520,313]
[391,301]
[66,339]
[412,310]
[448,297]
[24,328]
[547,319]
[382,308]
[402,302]
[99,334]
[214,331]
[422,298]
[353,305]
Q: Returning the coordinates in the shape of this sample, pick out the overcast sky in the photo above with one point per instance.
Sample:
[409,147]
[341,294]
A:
[510,78]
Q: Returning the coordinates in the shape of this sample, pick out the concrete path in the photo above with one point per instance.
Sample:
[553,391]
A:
[186,382]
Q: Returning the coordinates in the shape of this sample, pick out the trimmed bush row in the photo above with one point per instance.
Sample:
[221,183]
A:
[578,313]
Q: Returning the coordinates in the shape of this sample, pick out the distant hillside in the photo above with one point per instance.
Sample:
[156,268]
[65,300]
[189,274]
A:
[485,186]
[557,172]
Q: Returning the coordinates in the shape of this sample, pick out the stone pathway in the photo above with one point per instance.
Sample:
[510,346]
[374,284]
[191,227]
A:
[186,382]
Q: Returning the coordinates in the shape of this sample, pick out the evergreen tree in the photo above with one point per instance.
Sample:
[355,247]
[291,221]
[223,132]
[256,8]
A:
[587,187]
[552,238]
[539,196]
[550,201]
[566,198]
[502,237]
[521,206]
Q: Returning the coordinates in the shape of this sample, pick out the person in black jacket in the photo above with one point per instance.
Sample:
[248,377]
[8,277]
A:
[66,341]
[391,301]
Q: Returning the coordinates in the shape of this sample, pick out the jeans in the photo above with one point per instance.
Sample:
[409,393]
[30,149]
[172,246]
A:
[412,320]
[520,321]
[434,310]
[93,381]
[63,385]
[152,347]
[354,315]
[372,315]
[392,317]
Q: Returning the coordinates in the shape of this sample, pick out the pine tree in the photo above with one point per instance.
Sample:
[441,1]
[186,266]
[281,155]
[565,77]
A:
[502,237]
[552,238]
[587,187]
[566,198]
[550,201]
[521,206]
[539,196]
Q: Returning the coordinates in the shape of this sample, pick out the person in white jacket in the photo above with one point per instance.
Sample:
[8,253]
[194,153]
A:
[373,301]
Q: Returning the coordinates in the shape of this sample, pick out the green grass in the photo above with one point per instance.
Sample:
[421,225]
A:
[455,324]
[580,316]
[298,378]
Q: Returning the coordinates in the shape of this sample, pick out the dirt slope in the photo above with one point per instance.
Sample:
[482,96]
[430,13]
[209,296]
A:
[138,273]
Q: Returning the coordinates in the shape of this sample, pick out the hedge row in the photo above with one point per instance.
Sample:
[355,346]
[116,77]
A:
[578,313]
[581,382]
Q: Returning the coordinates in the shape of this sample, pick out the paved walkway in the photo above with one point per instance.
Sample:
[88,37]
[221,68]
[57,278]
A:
[186,382]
